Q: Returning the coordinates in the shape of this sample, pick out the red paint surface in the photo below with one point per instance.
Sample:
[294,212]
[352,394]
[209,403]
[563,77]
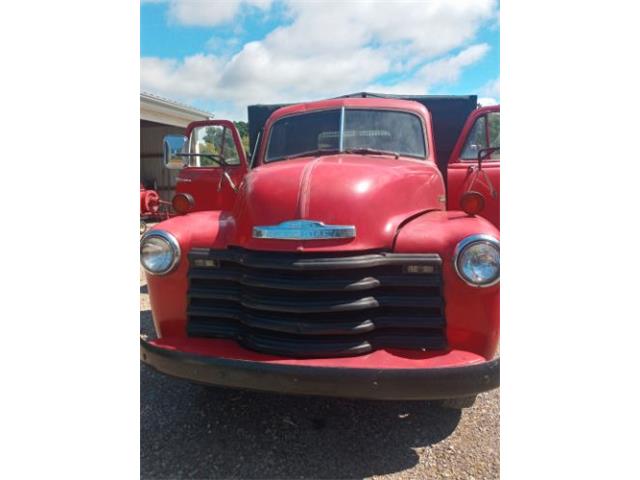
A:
[460,173]
[395,206]
[376,194]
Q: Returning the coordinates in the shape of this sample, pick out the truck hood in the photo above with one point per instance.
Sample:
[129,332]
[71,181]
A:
[374,194]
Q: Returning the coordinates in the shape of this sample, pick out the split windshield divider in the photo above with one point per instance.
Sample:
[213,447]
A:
[341,134]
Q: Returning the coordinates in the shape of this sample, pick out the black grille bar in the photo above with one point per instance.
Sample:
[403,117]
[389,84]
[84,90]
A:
[311,326]
[317,305]
[313,284]
[293,261]
[280,303]
[334,346]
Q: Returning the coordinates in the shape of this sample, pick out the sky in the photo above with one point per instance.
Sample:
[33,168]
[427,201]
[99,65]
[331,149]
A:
[222,55]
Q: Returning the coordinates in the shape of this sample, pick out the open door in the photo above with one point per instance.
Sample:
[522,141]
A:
[480,136]
[216,164]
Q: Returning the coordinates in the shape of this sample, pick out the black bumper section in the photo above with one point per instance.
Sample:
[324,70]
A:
[383,384]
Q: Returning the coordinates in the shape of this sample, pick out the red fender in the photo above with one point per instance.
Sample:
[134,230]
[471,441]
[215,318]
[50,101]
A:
[473,314]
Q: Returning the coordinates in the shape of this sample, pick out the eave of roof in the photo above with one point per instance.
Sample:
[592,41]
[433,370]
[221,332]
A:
[155,100]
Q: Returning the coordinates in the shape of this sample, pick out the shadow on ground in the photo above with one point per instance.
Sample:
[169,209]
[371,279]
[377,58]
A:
[193,431]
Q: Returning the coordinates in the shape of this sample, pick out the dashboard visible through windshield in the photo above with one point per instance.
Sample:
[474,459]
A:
[343,130]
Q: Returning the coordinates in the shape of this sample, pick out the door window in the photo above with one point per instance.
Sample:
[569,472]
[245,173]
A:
[216,140]
[484,133]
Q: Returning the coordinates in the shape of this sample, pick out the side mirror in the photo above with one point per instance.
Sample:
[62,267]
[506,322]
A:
[173,146]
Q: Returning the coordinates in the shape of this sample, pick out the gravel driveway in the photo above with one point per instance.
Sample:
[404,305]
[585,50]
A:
[191,431]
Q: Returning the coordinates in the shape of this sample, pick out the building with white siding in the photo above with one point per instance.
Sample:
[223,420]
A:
[160,117]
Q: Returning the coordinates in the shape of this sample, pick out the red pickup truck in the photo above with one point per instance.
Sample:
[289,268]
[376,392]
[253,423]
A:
[346,260]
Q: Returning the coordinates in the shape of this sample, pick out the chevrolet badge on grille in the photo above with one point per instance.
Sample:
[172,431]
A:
[304,230]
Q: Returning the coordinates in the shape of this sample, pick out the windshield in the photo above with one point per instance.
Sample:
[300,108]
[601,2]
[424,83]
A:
[390,131]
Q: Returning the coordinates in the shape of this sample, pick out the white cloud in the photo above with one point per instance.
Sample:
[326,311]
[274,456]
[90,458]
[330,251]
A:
[491,88]
[209,13]
[426,28]
[443,70]
[448,69]
[323,53]
[193,78]
[486,101]
[221,45]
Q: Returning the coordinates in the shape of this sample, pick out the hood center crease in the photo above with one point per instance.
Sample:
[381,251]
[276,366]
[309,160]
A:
[304,194]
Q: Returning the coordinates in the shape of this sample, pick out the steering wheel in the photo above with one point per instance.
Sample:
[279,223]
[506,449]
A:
[219,159]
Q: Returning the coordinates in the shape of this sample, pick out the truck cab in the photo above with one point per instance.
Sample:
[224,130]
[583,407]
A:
[335,266]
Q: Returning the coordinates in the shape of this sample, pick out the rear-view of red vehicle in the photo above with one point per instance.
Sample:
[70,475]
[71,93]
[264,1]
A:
[347,260]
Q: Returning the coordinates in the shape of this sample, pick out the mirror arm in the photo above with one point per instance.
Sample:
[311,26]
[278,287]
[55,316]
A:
[230,180]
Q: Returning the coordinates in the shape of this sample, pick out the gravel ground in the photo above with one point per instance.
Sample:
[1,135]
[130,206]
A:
[192,431]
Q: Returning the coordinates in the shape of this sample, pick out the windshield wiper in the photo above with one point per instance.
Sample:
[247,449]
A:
[316,152]
[371,151]
[333,151]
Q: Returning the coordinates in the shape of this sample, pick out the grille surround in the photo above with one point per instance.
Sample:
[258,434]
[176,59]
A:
[306,305]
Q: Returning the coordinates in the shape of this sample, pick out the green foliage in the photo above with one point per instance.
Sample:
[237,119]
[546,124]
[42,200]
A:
[494,129]
[210,143]
[243,130]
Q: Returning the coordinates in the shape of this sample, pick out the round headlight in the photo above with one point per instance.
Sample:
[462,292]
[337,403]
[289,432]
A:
[159,252]
[477,260]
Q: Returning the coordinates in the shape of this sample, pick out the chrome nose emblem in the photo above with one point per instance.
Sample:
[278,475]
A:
[304,230]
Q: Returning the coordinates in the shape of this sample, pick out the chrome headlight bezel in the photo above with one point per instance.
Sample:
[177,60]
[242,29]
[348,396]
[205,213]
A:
[463,245]
[171,242]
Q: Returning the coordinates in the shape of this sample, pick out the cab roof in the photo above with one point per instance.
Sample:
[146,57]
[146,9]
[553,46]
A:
[370,102]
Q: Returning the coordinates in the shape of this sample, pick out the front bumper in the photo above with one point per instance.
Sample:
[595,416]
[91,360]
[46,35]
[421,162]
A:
[369,383]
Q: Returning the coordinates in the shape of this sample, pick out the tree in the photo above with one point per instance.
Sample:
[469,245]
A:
[243,130]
